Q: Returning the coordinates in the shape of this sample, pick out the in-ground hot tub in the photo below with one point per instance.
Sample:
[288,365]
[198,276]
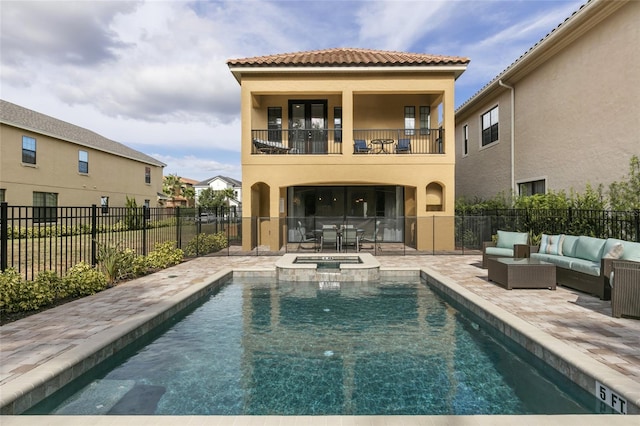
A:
[336,267]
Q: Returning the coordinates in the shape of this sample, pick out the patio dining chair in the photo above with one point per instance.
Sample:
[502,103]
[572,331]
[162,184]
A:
[304,238]
[350,237]
[374,238]
[360,147]
[329,237]
[404,145]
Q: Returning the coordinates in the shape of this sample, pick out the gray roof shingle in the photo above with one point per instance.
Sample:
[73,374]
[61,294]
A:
[17,116]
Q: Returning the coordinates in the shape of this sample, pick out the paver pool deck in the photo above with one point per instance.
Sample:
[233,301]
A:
[570,321]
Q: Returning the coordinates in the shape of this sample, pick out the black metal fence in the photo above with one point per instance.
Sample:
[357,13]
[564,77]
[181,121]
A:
[33,239]
[624,225]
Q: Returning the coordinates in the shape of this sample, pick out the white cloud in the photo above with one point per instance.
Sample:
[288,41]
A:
[396,25]
[154,73]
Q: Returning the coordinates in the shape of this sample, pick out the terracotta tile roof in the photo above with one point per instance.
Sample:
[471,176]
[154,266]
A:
[24,118]
[345,57]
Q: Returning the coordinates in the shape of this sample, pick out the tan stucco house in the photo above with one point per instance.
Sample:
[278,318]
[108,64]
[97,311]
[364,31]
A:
[49,162]
[348,136]
[563,115]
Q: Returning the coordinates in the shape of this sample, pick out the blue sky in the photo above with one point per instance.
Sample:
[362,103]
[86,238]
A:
[153,74]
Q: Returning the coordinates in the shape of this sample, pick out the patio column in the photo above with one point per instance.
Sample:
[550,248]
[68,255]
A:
[347,122]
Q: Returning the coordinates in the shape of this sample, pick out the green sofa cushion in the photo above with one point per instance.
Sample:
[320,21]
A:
[499,251]
[569,245]
[556,259]
[589,248]
[508,239]
[586,267]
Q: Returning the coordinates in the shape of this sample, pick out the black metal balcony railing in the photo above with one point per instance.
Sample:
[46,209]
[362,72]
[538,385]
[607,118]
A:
[332,141]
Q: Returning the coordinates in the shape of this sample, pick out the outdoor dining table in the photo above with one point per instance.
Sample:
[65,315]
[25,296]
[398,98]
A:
[382,145]
[339,234]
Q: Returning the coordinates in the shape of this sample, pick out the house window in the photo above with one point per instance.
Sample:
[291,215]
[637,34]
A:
[533,187]
[274,124]
[147,175]
[465,139]
[409,120]
[104,203]
[425,120]
[490,126]
[2,195]
[337,124]
[83,162]
[28,150]
[147,212]
[45,207]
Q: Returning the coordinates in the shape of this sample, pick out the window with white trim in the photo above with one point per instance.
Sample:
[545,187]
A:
[532,187]
[45,207]
[28,150]
[490,126]
[465,139]
[147,175]
[83,162]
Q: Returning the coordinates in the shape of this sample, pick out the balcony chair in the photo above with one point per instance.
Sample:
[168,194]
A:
[403,146]
[360,147]
[304,238]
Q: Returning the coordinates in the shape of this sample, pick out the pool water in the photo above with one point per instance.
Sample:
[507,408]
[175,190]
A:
[261,348]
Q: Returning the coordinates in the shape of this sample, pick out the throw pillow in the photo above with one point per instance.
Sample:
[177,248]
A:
[615,252]
[551,244]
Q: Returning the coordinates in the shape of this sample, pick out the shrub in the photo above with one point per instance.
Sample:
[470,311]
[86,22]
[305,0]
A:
[17,294]
[165,255]
[83,280]
[115,263]
[206,243]
[51,281]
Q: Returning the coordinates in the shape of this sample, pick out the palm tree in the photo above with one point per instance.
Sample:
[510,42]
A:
[172,186]
[189,193]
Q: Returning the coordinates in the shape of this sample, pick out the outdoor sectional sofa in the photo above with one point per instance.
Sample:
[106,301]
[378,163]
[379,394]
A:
[585,263]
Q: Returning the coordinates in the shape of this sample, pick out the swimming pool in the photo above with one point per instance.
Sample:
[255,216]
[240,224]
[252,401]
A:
[257,347]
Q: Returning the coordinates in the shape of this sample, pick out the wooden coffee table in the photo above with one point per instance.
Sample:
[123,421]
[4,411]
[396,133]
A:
[522,273]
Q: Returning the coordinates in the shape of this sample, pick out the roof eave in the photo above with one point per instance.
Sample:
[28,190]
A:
[238,71]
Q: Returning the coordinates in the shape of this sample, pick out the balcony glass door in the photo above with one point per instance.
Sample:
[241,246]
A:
[308,126]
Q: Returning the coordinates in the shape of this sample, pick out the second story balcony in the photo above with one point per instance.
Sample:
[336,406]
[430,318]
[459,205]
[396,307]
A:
[334,141]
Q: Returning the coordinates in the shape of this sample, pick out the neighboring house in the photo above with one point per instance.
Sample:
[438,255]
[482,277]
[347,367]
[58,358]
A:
[46,162]
[301,113]
[180,200]
[563,115]
[219,183]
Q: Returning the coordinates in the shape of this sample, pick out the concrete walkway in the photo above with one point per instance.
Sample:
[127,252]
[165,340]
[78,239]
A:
[582,322]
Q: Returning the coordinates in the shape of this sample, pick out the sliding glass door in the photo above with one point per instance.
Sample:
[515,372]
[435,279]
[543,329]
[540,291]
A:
[308,126]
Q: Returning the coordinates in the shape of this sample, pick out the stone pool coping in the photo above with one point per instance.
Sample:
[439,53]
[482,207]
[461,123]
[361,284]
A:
[42,380]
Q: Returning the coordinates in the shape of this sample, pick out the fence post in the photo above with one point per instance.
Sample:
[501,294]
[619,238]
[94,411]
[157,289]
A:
[144,229]
[178,230]
[94,235]
[4,236]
